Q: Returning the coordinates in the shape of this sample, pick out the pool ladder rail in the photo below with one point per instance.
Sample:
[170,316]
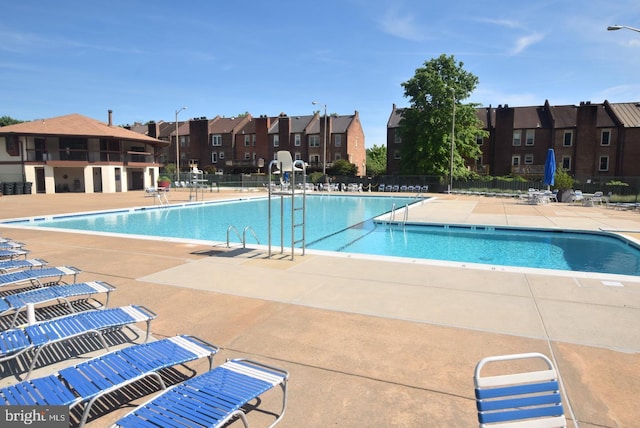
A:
[287,167]
[392,216]
[243,239]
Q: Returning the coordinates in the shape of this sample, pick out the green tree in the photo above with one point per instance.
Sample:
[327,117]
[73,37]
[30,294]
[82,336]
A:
[342,167]
[6,120]
[377,160]
[426,125]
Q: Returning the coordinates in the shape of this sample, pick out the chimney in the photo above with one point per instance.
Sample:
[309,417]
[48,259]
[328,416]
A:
[110,123]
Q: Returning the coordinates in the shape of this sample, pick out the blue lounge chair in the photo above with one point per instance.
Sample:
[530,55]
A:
[9,265]
[63,292]
[211,399]
[8,244]
[521,399]
[38,336]
[12,254]
[89,380]
[34,276]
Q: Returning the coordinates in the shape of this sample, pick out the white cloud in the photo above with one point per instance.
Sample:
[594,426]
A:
[508,23]
[620,93]
[400,25]
[523,43]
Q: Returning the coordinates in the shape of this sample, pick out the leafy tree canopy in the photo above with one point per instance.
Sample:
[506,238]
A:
[377,160]
[6,120]
[342,167]
[434,92]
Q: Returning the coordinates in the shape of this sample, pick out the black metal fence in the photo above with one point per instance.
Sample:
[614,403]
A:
[620,186]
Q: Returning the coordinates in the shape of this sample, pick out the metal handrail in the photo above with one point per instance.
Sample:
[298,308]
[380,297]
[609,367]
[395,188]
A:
[244,236]
[229,229]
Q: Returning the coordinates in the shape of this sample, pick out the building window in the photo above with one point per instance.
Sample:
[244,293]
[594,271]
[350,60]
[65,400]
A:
[315,159]
[296,140]
[604,163]
[297,156]
[253,139]
[397,138]
[214,157]
[515,160]
[314,141]
[216,140]
[528,159]
[566,163]
[338,140]
[396,154]
[517,138]
[247,155]
[567,139]
[247,140]
[337,156]
[276,140]
[221,155]
[530,137]
[605,138]
[479,140]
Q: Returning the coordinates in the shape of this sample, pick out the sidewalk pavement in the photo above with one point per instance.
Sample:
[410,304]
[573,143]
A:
[372,341]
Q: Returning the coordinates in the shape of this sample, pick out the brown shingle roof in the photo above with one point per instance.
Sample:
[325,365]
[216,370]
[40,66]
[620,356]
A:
[78,126]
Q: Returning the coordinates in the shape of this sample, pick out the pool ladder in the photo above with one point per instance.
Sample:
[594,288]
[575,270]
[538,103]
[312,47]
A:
[392,216]
[286,166]
[244,235]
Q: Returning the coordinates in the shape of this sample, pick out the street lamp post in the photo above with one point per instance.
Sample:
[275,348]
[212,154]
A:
[453,142]
[620,27]
[324,145]
[178,145]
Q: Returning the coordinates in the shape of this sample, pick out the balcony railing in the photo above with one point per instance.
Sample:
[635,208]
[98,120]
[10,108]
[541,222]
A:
[90,157]
[534,170]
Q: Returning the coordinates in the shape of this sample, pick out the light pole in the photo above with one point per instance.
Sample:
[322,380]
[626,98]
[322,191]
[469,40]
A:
[453,142]
[324,145]
[178,145]
[620,27]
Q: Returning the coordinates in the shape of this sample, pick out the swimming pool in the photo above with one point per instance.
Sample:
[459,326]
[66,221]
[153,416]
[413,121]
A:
[348,224]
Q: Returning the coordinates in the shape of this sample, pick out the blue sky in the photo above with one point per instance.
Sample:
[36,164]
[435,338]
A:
[144,60]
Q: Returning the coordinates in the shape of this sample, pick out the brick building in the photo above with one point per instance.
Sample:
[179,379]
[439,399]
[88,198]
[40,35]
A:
[247,144]
[589,140]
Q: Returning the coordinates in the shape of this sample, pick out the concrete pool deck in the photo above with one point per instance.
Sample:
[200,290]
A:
[373,341]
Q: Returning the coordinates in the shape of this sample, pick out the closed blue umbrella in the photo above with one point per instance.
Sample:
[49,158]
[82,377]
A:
[549,168]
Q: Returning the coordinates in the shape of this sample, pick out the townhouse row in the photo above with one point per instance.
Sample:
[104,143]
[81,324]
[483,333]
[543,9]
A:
[591,141]
[75,153]
[246,144]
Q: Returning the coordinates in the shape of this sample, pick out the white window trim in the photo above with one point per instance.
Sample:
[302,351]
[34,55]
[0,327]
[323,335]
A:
[516,139]
[602,137]
[528,159]
[530,133]
[562,163]
[216,140]
[600,163]
[564,134]
[515,160]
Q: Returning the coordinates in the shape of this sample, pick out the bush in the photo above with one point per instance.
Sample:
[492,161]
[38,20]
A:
[562,180]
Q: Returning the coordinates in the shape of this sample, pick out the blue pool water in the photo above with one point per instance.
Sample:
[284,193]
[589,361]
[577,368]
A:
[346,223]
